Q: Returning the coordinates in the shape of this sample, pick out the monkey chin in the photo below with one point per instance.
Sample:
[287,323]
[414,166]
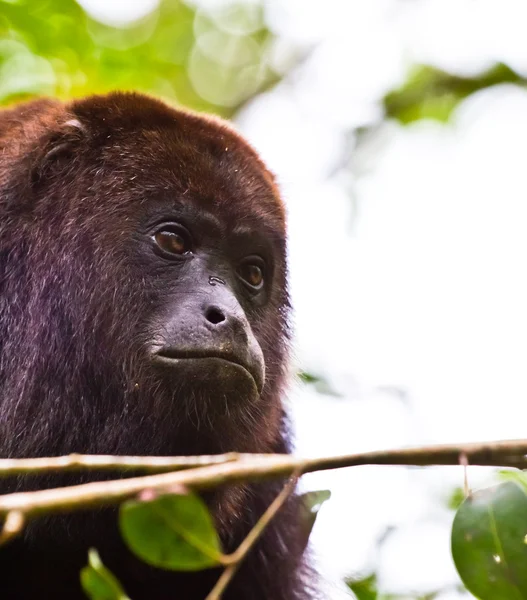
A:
[211,377]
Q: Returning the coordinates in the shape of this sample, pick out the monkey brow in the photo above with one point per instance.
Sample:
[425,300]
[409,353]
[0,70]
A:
[207,220]
[242,230]
[188,211]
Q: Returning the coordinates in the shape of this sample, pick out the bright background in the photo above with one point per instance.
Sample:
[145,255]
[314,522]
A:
[398,132]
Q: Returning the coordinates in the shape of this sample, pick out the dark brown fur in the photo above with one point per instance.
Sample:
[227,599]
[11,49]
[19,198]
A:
[75,301]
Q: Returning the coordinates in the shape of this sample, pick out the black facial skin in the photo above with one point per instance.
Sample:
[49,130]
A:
[205,337]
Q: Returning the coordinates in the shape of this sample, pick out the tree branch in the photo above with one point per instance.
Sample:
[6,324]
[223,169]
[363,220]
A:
[101,462]
[246,467]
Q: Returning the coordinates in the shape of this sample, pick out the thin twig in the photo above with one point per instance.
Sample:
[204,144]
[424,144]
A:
[463,461]
[237,557]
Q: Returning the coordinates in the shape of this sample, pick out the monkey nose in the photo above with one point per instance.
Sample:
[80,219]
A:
[215,315]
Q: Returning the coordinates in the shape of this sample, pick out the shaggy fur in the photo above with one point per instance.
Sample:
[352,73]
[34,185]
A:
[78,298]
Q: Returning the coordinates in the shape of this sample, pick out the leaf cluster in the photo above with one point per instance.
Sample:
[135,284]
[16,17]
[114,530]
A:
[55,48]
[173,532]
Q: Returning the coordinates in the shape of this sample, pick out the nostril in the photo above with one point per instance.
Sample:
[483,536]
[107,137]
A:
[214,315]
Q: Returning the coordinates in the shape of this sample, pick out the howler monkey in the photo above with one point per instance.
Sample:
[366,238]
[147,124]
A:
[143,310]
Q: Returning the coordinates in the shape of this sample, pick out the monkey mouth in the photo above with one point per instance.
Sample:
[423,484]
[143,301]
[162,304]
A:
[173,356]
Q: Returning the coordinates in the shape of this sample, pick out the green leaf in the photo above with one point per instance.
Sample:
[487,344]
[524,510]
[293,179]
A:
[311,502]
[173,532]
[489,543]
[364,589]
[74,54]
[431,93]
[520,477]
[100,583]
[315,499]
[456,498]
[321,385]
[306,377]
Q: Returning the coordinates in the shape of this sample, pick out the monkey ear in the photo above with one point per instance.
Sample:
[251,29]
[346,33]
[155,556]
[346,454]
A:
[57,149]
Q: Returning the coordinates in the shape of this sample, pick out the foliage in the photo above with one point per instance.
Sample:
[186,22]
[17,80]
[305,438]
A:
[431,93]
[489,542]
[456,498]
[176,532]
[319,383]
[365,588]
[52,47]
[98,582]
[312,503]
[520,477]
[173,532]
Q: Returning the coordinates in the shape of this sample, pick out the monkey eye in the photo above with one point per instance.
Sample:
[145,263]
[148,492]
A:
[173,240]
[251,271]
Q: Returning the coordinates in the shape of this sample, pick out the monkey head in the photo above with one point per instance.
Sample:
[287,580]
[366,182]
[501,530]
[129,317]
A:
[143,299]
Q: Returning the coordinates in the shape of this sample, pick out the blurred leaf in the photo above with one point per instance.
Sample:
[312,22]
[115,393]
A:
[315,499]
[306,377]
[489,543]
[312,502]
[173,532]
[53,47]
[520,477]
[364,589]
[431,93]
[100,583]
[456,499]
[321,385]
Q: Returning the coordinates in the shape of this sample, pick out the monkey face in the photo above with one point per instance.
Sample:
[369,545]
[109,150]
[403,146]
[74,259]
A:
[202,245]
[213,281]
